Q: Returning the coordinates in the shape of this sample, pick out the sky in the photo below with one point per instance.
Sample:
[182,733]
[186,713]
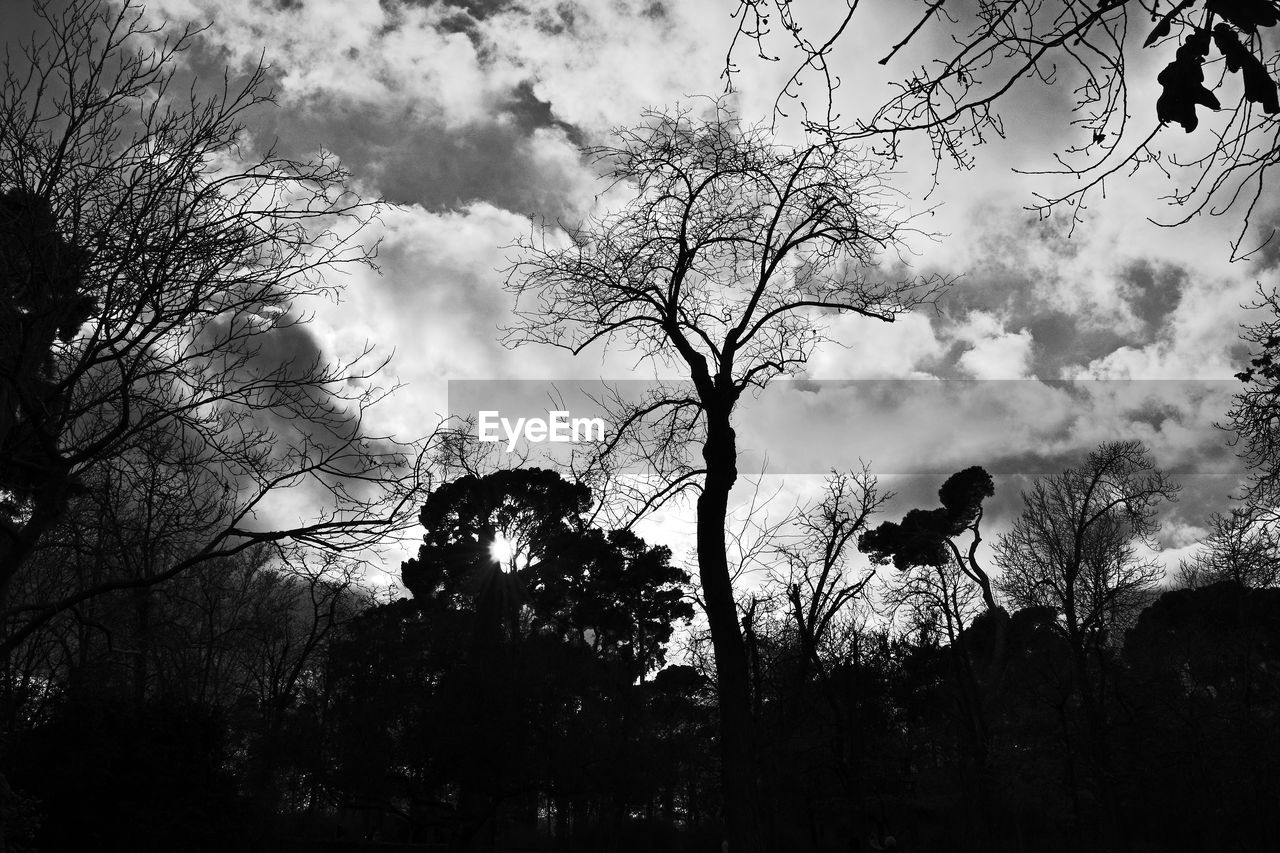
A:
[469,117]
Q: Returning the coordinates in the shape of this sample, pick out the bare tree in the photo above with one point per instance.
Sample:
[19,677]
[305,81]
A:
[723,263]
[155,275]
[819,585]
[1254,416]
[1074,548]
[1241,547]
[1217,56]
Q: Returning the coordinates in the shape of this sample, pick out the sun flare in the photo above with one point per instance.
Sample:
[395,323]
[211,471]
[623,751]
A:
[503,551]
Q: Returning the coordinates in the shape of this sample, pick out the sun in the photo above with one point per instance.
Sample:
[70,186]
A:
[505,552]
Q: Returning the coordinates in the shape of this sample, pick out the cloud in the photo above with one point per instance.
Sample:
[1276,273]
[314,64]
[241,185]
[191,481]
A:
[862,348]
[990,352]
[444,104]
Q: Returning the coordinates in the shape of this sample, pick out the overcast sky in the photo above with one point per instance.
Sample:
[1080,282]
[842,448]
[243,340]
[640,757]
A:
[469,116]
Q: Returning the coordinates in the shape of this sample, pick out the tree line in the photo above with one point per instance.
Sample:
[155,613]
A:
[559,694]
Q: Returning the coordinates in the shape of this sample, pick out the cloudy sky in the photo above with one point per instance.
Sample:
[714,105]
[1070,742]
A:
[469,116]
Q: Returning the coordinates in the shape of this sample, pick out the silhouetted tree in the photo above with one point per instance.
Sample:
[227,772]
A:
[722,262]
[1073,549]
[557,615]
[927,537]
[42,304]
[818,585]
[487,536]
[1241,547]
[940,580]
[154,274]
[1252,417]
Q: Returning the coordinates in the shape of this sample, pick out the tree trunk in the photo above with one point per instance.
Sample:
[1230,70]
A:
[737,748]
[1099,749]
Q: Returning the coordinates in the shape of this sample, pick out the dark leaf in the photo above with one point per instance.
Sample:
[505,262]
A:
[1183,83]
[1246,15]
[1163,28]
[1229,46]
[1259,88]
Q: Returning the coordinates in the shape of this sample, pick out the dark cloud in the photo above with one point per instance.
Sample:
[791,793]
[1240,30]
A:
[945,364]
[1059,343]
[292,342]
[1017,264]
[462,16]
[532,113]
[657,10]
[1239,354]
[564,20]
[1153,291]
[412,159]
[406,151]
[1023,274]
[477,9]
[285,361]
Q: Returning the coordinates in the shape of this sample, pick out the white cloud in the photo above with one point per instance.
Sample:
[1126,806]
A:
[862,348]
[991,351]
[597,64]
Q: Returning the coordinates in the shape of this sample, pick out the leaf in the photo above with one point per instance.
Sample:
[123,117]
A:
[1247,15]
[1228,44]
[1197,42]
[1259,88]
[1163,28]
[1183,82]
[1258,85]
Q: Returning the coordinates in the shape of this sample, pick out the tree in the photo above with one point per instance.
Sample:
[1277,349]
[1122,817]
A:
[486,537]
[1074,549]
[515,549]
[722,263]
[818,587]
[560,615]
[155,273]
[927,537]
[1253,414]
[938,579]
[235,644]
[995,46]
[1240,547]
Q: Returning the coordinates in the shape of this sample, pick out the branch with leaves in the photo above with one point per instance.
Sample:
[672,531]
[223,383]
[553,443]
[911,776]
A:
[994,48]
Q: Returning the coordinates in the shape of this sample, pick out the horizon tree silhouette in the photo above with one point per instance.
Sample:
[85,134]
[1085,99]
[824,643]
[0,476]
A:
[723,261]
[1073,548]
